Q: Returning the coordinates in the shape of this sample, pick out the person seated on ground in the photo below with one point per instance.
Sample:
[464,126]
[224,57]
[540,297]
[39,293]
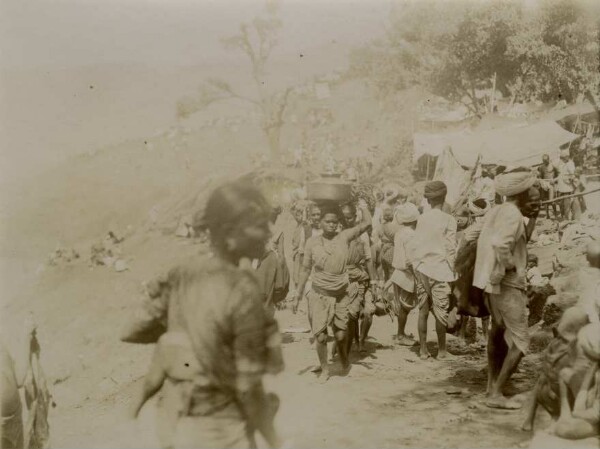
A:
[590,296]
[534,275]
[562,352]
[432,253]
[328,298]
[500,271]
[402,279]
[583,419]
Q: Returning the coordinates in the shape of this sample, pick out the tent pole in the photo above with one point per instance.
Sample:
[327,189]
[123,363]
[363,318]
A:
[427,173]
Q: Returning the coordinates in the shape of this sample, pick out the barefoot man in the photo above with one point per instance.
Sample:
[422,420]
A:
[326,256]
[500,270]
[433,256]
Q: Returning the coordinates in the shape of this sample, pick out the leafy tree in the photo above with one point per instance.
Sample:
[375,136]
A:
[556,53]
[256,41]
[467,51]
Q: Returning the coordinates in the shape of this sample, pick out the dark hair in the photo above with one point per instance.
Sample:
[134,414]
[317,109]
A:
[437,201]
[480,203]
[330,209]
[348,205]
[227,204]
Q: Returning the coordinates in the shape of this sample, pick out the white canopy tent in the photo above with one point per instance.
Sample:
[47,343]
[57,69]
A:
[509,146]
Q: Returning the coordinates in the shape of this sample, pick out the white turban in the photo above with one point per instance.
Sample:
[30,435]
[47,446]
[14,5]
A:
[515,182]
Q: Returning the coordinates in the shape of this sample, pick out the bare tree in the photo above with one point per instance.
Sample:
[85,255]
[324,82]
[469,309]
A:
[256,41]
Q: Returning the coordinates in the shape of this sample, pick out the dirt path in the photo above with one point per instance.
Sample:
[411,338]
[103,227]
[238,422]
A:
[390,399]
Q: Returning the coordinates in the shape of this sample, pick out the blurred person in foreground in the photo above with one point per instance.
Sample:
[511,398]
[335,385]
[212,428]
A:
[219,340]
[500,271]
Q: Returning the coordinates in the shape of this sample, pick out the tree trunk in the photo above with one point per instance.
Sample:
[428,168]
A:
[273,133]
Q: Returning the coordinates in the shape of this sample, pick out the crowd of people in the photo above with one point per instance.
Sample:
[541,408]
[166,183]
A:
[562,179]
[213,318]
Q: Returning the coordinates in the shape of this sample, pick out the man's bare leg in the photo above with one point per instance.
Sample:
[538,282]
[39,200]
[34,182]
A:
[496,354]
[321,345]
[556,212]
[440,329]
[462,332]
[342,346]
[402,338]
[496,398]
[485,326]
[365,326]
[352,331]
[422,326]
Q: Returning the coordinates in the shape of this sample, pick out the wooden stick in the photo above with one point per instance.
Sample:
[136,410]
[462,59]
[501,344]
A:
[566,197]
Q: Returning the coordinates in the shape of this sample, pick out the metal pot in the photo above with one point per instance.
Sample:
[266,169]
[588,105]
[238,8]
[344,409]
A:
[330,187]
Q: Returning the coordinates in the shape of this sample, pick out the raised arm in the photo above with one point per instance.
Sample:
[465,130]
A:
[369,259]
[365,224]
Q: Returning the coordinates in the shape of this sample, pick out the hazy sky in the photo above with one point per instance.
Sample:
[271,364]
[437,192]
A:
[141,56]
[62,33]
